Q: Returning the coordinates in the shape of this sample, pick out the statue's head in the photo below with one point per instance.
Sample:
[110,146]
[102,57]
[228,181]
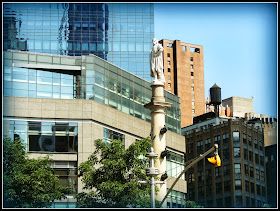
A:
[155,41]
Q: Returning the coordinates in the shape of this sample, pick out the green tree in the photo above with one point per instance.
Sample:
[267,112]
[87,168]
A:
[111,176]
[192,204]
[266,206]
[28,182]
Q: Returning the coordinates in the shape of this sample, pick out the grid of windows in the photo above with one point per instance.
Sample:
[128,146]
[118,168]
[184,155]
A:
[253,176]
[217,139]
[174,164]
[100,81]
[46,136]
[28,82]
[120,33]
[63,205]
[67,172]
[110,135]
[67,176]
[176,199]
[129,95]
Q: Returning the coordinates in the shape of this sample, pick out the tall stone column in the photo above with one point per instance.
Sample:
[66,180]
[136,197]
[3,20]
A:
[158,107]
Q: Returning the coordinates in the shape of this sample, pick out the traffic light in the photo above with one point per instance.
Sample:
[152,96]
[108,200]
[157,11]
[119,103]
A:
[216,160]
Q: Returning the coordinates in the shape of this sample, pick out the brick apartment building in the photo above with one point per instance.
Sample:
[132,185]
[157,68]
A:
[184,75]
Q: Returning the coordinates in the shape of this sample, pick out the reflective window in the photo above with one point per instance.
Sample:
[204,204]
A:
[175,164]
[244,138]
[250,140]
[176,199]
[126,95]
[103,85]
[236,152]
[238,184]
[26,82]
[70,29]
[110,135]
[235,136]
[18,129]
[67,175]
[218,172]
[53,137]
[226,170]
[225,138]
[245,154]
[46,136]
[217,139]
[237,168]
[262,176]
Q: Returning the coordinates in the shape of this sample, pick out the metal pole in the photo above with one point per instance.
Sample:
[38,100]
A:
[215,147]
[153,192]
[152,182]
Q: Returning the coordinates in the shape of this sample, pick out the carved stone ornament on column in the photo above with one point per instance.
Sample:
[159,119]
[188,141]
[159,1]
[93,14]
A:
[156,62]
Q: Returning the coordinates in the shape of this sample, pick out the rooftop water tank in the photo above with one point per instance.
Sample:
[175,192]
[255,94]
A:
[215,95]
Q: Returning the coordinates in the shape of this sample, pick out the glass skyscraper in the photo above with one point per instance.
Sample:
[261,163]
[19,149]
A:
[80,72]
[120,33]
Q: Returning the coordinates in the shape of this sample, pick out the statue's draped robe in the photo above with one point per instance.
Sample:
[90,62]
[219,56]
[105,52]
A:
[156,62]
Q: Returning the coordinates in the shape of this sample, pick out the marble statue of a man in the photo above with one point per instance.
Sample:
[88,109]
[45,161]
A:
[156,62]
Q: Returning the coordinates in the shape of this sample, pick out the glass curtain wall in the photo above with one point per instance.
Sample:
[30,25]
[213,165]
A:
[120,33]
[176,199]
[110,135]
[85,77]
[110,85]
[175,164]
[28,82]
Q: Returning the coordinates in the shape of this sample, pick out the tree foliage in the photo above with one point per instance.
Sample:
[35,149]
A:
[28,182]
[192,204]
[111,175]
[266,206]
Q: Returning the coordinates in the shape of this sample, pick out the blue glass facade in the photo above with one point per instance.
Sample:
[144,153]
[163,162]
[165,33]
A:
[29,82]
[28,74]
[120,33]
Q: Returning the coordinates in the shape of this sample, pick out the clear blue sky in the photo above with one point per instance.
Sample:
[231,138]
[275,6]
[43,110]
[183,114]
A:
[239,42]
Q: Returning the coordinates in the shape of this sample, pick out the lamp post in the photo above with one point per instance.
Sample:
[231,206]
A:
[152,171]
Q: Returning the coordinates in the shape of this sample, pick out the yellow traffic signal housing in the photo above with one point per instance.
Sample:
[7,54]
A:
[216,160]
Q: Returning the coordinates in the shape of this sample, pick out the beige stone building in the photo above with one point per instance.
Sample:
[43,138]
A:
[59,105]
[239,106]
[223,111]
[270,132]
[184,75]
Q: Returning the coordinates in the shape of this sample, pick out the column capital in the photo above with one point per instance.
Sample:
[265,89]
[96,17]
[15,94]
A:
[155,105]
[157,85]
